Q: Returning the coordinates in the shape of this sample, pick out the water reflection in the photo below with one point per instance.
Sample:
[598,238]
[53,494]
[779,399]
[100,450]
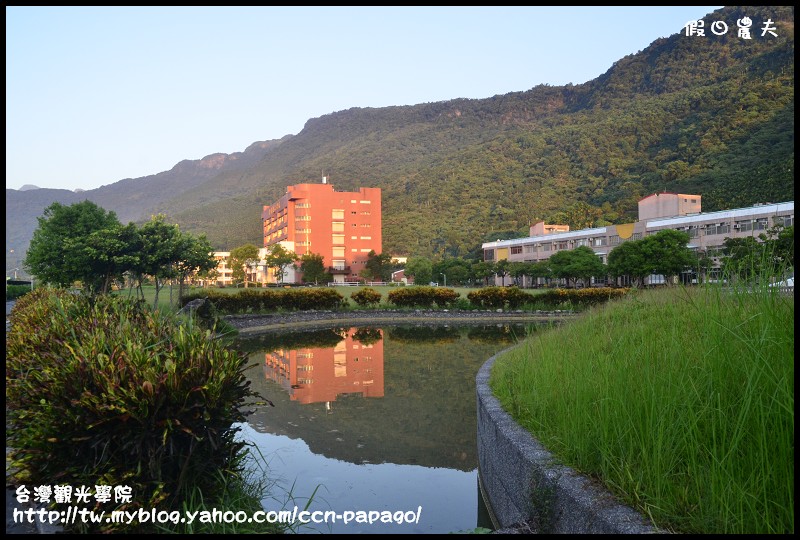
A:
[380,418]
[353,366]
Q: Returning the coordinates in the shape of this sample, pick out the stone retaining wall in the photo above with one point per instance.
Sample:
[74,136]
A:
[527,488]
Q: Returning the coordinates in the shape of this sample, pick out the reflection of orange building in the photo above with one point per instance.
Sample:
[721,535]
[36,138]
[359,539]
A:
[342,227]
[322,374]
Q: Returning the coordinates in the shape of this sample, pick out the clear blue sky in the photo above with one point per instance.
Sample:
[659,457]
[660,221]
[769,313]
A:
[98,94]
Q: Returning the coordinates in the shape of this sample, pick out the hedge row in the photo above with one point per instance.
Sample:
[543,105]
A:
[580,297]
[263,300]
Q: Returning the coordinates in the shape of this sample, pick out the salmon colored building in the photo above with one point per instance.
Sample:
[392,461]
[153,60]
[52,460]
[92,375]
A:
[342,226]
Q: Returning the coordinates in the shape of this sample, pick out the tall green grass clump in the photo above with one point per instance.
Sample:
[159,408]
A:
[108,392]
[680,400]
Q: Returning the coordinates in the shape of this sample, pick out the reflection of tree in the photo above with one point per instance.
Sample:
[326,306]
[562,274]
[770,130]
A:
[497,333]
[432,334]
[367,335]
[294,340]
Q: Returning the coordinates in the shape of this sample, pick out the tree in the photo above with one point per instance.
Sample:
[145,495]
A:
[579,263]
[378,267]
[196,256]
[60,244]
[483,270]
[279,258]
[110,254]
[312,266]
[419,268]
[161,251]
[669,252]
[629,259]
[240,259]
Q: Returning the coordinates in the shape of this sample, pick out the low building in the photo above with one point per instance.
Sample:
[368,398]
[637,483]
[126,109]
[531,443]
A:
[707,232]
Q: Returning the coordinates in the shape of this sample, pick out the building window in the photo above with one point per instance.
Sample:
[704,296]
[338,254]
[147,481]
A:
[366,225]
[337,214]
[337,226]
[546,247]
[515,250]
[365,202]
[302,218]
[614,240]
[637,236]
[338,252]
[338,265]
[488,254]
[366,238]
[337,238]
[743,226]
[303,205]
[529,249]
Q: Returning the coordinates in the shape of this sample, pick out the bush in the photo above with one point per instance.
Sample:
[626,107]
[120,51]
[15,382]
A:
[15,291]
[420,296]
[500,297]
[366,297]
[108,392]
[257,301]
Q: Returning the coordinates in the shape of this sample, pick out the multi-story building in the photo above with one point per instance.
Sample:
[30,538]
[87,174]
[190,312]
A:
[224,274]
[341,226]
[659,211]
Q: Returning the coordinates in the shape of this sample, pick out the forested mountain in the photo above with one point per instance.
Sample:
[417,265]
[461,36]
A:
[709,114]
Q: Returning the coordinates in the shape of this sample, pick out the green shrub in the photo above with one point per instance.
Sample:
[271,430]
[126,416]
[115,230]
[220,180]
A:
[15,291]
[366,297]
[580,297]
[109,392]
[266,300]
[420,296]
[500,297]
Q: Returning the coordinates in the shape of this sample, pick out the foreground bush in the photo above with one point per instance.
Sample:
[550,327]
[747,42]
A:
[110,393]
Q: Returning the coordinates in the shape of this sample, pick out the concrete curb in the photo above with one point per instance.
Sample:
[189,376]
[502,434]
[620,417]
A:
[525,486]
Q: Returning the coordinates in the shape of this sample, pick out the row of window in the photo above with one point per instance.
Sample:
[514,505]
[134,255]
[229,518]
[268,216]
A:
[614,240]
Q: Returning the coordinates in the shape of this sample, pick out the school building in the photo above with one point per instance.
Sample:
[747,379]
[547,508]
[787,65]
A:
[659,211]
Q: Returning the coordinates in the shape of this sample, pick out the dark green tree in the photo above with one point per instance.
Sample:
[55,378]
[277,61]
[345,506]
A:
[63,239]
[378,267]
[161,250]
[312,265]
[421,269]
[630,259]
[669,252]
[579,263]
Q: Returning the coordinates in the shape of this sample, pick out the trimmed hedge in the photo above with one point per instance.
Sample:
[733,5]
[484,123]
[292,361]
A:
[420,296]
[265,300]
[500,297]
[106,391]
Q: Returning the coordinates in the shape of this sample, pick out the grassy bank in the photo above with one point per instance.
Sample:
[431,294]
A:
[681,401]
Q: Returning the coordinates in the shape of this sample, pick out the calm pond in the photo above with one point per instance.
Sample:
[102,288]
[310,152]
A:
[374,419]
